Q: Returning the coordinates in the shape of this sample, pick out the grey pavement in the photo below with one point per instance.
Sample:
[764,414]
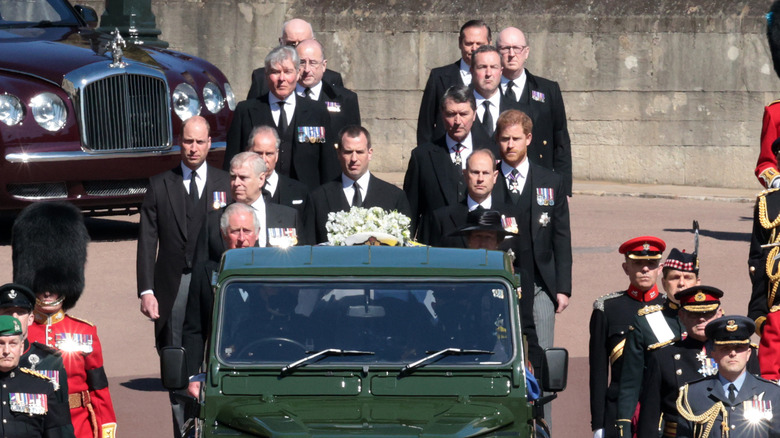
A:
[662,191]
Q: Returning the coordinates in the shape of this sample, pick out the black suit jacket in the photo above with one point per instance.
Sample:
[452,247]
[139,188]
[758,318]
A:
[260,84]
[169,231]
[545,229]
[330,197]
[210,244]
[429,121]
[431,180]
[197,320]
[291,193]
[342,105]
[550,145]
[311,164]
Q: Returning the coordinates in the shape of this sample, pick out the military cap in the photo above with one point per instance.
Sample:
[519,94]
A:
[643,248]
[682,261]
[699,299]
[16,295]
[10,326]
[733,329]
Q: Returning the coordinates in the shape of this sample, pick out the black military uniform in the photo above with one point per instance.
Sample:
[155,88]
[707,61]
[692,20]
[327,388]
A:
[29,407]
[38,357]
[707,410]
[612,315]
[653,329]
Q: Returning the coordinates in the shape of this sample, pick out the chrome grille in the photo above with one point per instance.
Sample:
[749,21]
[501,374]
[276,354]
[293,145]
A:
[116,188]
[38,191]
[125,112]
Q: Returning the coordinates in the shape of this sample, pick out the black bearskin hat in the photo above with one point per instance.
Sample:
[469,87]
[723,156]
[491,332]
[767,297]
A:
[49,244]
[773,34]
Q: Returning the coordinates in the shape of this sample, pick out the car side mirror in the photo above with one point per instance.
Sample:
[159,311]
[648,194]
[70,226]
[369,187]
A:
[88,14]
[173,368]
[555,370]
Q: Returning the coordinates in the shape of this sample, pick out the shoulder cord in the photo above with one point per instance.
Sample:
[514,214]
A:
[704,422]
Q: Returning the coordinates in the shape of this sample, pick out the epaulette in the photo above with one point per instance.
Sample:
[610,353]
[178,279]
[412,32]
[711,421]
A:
[773,102]
[766,192]
[754,346]
[765,380]
[649,309]
[34,373]
[51,350]
[82,320]
[599,303]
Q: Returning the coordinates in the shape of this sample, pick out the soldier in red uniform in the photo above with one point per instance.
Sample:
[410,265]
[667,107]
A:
[766,167]
[49,252]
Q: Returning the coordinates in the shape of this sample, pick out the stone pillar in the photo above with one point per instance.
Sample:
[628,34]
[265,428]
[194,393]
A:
[134,19]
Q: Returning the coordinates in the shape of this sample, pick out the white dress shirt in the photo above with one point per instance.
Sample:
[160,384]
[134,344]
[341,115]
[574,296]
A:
[465,72]
[486,204]
[522,168]
[519,85]
[315,91]
[349,190]
[289,107]
[495,106]
[200,179]
[464,154]
[271,183]
[262,234]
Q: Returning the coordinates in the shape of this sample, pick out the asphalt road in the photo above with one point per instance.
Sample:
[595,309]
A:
[599,225]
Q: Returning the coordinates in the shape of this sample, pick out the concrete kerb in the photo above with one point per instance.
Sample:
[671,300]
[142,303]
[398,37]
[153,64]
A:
[608,188]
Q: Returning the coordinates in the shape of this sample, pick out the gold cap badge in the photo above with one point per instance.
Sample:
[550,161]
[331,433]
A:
[732,326]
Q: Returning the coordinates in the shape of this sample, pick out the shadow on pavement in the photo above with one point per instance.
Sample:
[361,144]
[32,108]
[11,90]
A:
[718,235]
[148,384]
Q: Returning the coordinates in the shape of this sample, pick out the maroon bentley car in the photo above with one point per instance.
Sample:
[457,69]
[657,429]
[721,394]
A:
[86,117]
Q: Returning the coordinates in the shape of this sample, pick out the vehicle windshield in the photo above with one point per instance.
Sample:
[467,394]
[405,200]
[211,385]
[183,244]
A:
[34,13]
[397,322]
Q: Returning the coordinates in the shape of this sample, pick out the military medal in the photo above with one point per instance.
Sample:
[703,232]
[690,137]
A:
[220,200]
[708,365]
[545,196]
[333,107]
[33,404]
[509,224]
[544,219]
[73,342]
[311,134]
[537,96]
[757,409]
[34,360]
[282,237]
[53,375]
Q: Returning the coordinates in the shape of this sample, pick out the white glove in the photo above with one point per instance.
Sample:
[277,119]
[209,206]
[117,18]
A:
[775,183]
[599,433]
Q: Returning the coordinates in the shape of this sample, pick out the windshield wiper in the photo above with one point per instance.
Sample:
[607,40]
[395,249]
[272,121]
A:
[319,354]
[441,353]
[42,23]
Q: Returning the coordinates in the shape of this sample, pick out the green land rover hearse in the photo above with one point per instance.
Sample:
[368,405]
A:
[366,341]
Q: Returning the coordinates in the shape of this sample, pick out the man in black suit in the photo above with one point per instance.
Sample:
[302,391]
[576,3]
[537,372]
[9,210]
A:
[430,126]
[486,81]
[541,99]
[238,227]
[342,104]
[293,32]
[542,211]
[356,187]
[434,177]
[278,188]
[306,152]
[172,213]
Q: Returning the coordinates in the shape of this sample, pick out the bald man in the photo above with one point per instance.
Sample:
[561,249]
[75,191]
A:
[293,32]
[541,99]
[342,104]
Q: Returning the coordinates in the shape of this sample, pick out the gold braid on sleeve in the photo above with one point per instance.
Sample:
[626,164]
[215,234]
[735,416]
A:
[772,272]
[702,423]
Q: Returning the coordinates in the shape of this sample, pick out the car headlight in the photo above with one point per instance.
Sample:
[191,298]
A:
[230,97]
[185,101]
[212,97]
[11,110]
[49,111]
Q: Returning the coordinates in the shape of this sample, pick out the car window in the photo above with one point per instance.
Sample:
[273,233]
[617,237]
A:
[400,322]
[15,13]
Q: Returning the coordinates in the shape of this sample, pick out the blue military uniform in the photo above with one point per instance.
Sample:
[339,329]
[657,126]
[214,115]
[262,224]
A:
[706,410]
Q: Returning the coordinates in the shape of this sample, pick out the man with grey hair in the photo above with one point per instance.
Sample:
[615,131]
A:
[306,152]
[293,32]
[434,178]
[239,228]
[541,99]
[279,189]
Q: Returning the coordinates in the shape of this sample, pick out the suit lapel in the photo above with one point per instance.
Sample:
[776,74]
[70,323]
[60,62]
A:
[445,172]
[337,200]
[174,185]
[371,193]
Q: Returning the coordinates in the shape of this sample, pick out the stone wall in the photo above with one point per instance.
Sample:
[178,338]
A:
[665,91]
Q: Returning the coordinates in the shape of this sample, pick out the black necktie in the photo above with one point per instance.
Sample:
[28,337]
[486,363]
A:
[479,208]
[307,92]
[514,186]
[732,393]
[510,92]
[282,118]
[357,198]
[487,119]
[193,188]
